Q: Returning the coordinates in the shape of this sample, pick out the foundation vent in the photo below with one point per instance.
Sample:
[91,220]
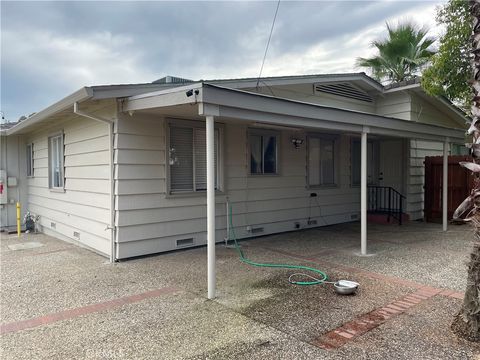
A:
[53,225]
[354,216]
[343,89]
[76,234]
[184,242]
[312,222]
[256,230]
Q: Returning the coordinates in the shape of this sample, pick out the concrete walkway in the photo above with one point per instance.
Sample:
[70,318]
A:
[63,302]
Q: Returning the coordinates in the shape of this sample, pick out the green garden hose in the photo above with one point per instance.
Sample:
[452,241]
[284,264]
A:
[315,281]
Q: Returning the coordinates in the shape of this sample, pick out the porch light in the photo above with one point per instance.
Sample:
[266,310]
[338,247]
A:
[296,142]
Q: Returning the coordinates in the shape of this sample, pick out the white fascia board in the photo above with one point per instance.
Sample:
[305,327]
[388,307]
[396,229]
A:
[402,88]
[285,120]
[78,96]
[168,97]
[121,91]
[250,83]
[266,104]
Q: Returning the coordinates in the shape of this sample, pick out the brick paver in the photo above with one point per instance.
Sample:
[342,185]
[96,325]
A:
[88,309]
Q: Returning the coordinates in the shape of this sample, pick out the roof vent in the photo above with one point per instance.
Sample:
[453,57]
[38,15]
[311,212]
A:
[344,89]
[171,80]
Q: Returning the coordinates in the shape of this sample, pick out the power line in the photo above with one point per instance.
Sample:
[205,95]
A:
[268,43]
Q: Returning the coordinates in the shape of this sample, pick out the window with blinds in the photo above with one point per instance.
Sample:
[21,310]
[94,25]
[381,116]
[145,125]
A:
[188,159]
[55,161]
[321,161]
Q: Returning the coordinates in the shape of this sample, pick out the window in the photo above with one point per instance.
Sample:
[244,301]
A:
[188,159]
[356,162]
[55,161]
[263,153]
[30,160]
[321,161]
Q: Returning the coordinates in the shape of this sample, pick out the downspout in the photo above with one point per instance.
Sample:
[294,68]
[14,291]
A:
[110,124]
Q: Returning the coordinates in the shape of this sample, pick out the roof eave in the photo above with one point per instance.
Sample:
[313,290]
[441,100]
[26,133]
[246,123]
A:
[83,94]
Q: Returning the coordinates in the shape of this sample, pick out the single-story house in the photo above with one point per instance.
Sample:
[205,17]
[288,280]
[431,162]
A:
[128,170]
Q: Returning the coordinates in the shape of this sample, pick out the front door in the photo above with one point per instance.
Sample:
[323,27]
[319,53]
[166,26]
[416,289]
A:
[392,163]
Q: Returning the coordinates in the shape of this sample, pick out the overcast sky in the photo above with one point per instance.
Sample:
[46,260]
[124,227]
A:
[51,49]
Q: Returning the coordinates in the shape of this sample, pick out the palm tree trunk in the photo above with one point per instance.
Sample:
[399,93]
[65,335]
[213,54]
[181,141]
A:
[467,322]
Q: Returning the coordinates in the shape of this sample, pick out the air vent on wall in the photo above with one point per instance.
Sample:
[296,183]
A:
[344,89]
[256,230]
[184,242]
[53,225]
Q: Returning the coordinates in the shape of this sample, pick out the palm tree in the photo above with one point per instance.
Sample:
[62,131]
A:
[467,321]
[401,55]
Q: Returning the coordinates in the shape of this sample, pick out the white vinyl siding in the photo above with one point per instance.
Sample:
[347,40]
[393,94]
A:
[55,161]
[263,152]
[321,161]
[83,204]
[151,220]
[188,159]
[29,157]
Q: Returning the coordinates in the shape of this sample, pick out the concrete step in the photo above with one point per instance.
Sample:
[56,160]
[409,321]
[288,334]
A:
[377,218]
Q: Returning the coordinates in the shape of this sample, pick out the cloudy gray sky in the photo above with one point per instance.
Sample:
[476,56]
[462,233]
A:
[50,49]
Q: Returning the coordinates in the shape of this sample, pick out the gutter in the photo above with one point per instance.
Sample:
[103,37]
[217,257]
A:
[110,124]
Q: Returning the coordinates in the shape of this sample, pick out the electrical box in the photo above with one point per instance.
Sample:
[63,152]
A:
[3,187]
[11,181]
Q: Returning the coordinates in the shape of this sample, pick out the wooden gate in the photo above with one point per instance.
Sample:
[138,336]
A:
[460,183]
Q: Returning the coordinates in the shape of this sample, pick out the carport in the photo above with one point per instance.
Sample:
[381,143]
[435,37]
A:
[214,102]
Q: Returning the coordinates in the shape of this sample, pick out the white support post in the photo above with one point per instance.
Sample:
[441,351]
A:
[363,191]
[210,206]
[445,186]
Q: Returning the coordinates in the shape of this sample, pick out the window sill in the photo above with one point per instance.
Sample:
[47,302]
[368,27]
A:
[263,175]
[320,187]
[57,190]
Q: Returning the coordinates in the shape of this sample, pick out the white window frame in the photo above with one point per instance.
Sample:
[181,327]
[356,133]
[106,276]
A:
[269,133]
[219,144]
[61,158]
[29,154]
[336,165]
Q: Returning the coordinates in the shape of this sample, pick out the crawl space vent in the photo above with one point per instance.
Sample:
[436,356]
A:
[184,242]
[343,89]
[257,230]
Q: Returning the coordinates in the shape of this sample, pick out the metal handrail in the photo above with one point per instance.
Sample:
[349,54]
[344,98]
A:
[386,200]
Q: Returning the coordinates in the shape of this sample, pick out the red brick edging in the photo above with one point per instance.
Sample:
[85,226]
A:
[364,323]
[72,313]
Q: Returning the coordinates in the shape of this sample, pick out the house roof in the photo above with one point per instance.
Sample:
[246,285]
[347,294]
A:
[98,92]
[401,84]
[230,103]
